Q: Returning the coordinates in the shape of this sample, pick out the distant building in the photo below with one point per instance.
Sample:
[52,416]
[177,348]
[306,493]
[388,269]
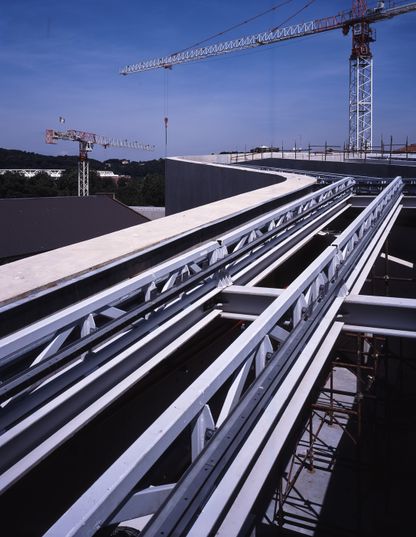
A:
[56,174]
[111,175]
[30,172]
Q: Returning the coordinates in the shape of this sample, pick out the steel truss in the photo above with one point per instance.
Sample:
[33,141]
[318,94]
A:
[118,335]
[361,104]
[288,345]
[83,170]
[85,357]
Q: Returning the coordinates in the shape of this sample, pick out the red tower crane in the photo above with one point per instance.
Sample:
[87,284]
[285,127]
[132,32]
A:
[358,20]
[87,140]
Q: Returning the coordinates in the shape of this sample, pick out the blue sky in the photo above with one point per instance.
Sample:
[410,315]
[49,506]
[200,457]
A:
[62,58]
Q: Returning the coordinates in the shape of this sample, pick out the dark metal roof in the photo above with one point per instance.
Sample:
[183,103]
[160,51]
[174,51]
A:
[33,225]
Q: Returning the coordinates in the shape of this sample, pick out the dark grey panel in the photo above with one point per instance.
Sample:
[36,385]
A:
[190,184]
[34,225]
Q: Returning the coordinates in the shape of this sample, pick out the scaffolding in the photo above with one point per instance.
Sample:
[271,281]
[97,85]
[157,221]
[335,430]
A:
[336,413]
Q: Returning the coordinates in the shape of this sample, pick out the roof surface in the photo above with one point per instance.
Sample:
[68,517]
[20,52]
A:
[33,225]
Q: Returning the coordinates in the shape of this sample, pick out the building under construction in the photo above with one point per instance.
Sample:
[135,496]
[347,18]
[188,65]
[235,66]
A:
[243,367]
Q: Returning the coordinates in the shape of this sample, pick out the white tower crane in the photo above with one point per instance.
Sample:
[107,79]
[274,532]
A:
[87,140]
[358,20]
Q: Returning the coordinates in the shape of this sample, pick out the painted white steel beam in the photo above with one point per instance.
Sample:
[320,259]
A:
[382,331]
[239,299]
[397,260]
[202,424]
[379,311]
[142,503]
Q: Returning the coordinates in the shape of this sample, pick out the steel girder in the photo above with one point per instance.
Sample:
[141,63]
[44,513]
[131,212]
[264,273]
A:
[386,313]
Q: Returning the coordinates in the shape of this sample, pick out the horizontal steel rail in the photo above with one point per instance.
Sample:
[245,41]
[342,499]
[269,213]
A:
[290,315]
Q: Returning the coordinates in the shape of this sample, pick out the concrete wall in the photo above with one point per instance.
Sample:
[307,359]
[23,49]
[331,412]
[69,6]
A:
[191,184]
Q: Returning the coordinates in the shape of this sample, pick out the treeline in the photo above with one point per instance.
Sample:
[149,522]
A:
[143,184]
[148,190]
[15,159]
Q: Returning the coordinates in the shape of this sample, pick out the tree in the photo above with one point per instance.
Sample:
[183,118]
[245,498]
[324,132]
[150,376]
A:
[153,192]
[100,184]
[42,185]
[67,184]
[129,191]
[16,185]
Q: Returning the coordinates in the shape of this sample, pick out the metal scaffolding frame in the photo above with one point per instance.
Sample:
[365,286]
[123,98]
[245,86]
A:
[291,506]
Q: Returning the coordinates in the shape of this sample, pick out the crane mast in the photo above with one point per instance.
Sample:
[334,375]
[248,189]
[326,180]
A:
[86,141]
[359,20]
[361,81]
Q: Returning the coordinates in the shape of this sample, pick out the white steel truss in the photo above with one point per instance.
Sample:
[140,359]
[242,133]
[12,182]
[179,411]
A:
[327,279]
[83,174]
[361,104]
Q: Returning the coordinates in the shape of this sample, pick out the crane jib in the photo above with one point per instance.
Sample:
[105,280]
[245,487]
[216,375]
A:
[343,20]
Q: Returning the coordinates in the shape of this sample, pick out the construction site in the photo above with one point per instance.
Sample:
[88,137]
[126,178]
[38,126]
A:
[243,366]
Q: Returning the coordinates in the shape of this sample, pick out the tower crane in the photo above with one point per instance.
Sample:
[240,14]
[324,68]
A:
[359,20]
[87,140]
